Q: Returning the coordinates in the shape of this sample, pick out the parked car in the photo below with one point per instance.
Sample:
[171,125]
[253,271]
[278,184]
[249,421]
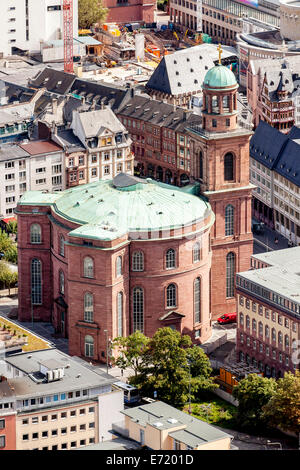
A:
[227,318]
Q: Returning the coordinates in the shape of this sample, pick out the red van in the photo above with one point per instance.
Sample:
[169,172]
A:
[227,318]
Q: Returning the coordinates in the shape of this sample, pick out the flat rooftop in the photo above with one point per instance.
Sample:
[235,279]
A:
[77,373]
[289,259]
[282,276]
[162,416]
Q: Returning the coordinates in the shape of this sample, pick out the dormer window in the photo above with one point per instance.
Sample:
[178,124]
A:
[118,138]
[93,143]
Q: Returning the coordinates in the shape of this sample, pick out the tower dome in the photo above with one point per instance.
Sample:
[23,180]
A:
[220,77]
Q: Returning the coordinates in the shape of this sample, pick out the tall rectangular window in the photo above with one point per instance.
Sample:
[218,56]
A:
[36,282]
[197,300]
[138,309]
[120,313]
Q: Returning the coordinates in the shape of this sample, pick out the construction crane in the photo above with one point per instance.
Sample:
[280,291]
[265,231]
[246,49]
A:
[68,35]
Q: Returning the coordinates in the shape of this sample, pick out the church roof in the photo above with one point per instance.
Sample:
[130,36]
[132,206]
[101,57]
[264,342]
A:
[220,77]
[108,209]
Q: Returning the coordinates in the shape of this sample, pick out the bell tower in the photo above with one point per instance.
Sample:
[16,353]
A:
[220,156]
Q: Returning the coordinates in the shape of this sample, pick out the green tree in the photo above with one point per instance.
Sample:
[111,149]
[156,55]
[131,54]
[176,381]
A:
[201,370]
[12,226]
[283,409]
[165,368]
[252,393]
[7,277]
[90,12]
[131,350]
[8,247]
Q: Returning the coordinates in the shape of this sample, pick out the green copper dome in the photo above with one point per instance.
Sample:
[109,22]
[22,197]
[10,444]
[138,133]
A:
[219,77]
[107,209]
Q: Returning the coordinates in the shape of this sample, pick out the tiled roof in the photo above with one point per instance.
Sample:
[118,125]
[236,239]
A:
[157,112]
[94,122]
[181,72]
[102,93]
[69,141]
[266,144]
[288,164]
[277,151]
[53,80]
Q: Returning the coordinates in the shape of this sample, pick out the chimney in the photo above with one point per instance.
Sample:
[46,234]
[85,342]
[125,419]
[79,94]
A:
[82,100]
[53,128]
[54,105]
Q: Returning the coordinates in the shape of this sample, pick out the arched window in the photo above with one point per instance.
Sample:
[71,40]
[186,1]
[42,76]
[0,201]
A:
[226,104]
[35,233]
[196,252]
[273,334]
[61,282]
[88,267]
[170,259]
[241,319]
[215,104]
[207,103]
[36,282]
[267,331]
[138,309]
[197,300]
[260,328]
[120,313]
[201,165]
[280,337]
[253,325]
[230,271]
[171,295]
[229,220]
[62,246]
[119,266]
[228,167]
[247,321]
[138,261]
[286,341]
[88,307]
[89,346]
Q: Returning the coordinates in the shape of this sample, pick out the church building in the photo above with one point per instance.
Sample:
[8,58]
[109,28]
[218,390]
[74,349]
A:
[114,256]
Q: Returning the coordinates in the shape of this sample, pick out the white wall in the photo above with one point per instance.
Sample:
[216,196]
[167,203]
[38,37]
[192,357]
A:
[110,407]
[44,25]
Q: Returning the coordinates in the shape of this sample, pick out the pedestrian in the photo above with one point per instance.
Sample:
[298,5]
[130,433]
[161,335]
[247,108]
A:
[122,372]
[276,241]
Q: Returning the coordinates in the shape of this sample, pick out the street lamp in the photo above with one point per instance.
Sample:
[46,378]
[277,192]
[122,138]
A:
[206,408]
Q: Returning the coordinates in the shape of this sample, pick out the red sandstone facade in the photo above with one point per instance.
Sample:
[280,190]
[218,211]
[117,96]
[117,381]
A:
[65,307]
[220,159]
[121,11]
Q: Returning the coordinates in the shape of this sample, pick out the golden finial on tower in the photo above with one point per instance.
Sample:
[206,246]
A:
[219,48]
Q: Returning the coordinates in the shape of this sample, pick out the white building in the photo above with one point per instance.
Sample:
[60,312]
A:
[30,166]
[186,14]
[107,143]
[24,24]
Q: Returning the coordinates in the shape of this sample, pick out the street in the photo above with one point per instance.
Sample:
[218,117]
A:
[266,241]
